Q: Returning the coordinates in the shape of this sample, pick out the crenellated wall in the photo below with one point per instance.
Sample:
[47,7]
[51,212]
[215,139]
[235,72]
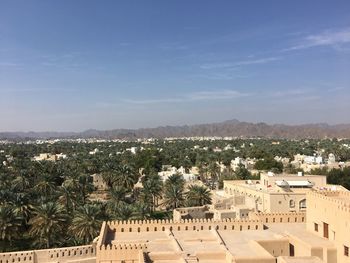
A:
[267,218]
[182,225]
[130,252]
[67,254]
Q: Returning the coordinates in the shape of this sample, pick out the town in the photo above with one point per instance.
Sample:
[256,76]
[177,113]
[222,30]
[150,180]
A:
[192,192]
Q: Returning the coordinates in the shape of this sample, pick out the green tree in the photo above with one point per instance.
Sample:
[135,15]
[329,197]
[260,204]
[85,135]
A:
[174,191]
[48,221]
[9,223]
[86,222]
[198,195]
[152,185]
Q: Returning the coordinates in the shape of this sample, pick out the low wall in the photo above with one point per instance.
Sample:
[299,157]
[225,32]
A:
[121,253]
[67,254]
[268,218]
[182,225]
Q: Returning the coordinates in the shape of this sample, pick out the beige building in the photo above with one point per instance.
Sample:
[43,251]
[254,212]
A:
[277,192]
[319,236]
[328,216]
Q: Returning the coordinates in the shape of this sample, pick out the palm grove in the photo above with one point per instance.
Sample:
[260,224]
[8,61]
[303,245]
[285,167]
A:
[48,204]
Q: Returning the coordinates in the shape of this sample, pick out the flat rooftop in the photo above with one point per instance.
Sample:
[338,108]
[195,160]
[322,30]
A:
[269,190]
[302,260]
[240,244]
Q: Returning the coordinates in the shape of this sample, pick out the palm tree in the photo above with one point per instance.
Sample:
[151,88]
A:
[86,222]
[48,221]
[117,196]
[124,212]
[174,191]
[126,177]
[22,206]
[142,210]
[214,171]
[66,198]
[45,187]
[198,195]
[153,186]
[9,223]
[85,187]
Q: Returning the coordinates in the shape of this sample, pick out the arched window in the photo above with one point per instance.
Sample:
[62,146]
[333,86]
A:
[302,204]
[291,203]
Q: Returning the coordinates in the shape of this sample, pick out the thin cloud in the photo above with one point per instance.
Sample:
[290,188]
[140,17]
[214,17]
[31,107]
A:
[194,96]
[173,46]
[239,63]
[10,64]
[33,90]
[326,38]
[335,89]
[216,95]
[291,92]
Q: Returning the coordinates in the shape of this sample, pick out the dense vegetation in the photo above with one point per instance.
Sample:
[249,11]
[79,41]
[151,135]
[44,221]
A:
[47,204]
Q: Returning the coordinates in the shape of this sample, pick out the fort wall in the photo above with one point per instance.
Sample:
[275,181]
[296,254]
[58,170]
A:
[182,225]
[86,254]
[268,218]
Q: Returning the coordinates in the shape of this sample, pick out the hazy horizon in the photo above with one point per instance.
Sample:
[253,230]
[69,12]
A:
[78,65]
[175,125]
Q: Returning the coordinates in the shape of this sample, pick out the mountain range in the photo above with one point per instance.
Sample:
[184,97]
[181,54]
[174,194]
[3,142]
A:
[232,128]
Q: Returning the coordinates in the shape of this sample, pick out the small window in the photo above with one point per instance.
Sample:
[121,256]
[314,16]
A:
[316,227]
[346,251]
[291,204]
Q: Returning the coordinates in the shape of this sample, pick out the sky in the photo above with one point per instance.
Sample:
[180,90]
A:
[75,65]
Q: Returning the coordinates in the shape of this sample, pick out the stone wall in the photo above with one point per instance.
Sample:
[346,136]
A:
[267,218]
[182,225]
[77,254]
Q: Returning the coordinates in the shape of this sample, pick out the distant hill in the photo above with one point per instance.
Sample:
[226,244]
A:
[232,128]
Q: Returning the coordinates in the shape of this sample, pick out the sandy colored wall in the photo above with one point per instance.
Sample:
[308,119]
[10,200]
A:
[68,254]
[332,208]
[292,217]
[120,253]
[264,201]
[183,225]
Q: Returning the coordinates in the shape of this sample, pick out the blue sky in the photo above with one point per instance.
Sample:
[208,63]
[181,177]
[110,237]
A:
[74,65]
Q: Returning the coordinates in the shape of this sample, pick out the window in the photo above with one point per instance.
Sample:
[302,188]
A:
[291,203]
[316,227]
[302,204]
[346,251]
